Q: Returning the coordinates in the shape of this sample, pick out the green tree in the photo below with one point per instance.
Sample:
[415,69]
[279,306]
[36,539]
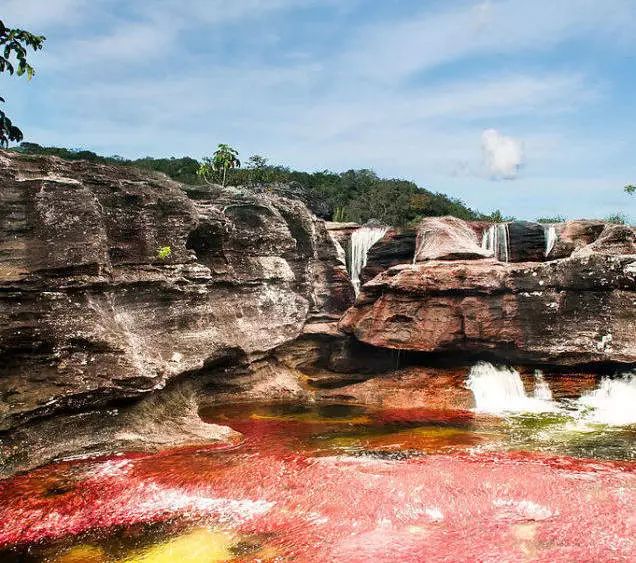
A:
[259,171]
[14,44]
[224,158]
[630,189]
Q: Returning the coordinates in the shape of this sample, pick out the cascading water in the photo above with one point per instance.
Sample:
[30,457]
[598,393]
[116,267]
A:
[551,238]
[361,241]
[496,239]
[542,390]
[500,390]
[612,403]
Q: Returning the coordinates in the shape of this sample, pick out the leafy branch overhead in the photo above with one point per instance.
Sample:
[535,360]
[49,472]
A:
[14,45]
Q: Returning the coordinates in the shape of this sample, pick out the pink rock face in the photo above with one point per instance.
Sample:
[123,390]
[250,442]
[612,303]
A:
[447,238]
[306,506]
[556,312]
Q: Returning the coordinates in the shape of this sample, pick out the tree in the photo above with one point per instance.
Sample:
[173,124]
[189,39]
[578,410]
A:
[224,158]
[259,170]
[630,189]
[13,45]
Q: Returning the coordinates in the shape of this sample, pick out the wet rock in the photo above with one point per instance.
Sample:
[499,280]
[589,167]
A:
[162,420]
[447,238]
[409,388]
[527,242]
[397,246]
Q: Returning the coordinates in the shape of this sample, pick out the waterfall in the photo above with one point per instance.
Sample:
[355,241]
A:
[497,240]
[361,241]
[550,238]
[500,390]
[542,390]
[612,403]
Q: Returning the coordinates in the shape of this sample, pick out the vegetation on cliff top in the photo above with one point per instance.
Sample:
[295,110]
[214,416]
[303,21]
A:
[354,195]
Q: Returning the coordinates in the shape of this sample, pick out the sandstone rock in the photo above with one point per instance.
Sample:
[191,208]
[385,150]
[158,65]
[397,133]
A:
[409,388]
[527,241]
[447,238]
[613,240]
[89,311]
[579,310]
[397,246]
[573,235]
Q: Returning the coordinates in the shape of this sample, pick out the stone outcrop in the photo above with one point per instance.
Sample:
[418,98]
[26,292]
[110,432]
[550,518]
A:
[614,240]
[527,242]
[447,238]
[91,311]
[573,235]
[573,311]
[397,246]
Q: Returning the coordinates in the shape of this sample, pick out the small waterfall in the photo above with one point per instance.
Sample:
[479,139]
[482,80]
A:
[551,238]
[542,390]
[612,403]
[496,239]
[361,241]
[500,390]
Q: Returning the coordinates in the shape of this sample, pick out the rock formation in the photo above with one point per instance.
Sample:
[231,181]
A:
[572,311]
[447,238]
[126,297]
[91,313]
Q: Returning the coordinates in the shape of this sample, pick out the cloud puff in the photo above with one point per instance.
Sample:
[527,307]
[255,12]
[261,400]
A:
[503,155]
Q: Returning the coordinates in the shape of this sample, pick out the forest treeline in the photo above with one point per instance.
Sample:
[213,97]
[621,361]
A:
[354,195]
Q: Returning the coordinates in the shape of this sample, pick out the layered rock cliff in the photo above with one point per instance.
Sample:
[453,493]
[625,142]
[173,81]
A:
[92,312]
[576,310]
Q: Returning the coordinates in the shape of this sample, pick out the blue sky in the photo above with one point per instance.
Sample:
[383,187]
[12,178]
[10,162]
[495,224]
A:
[524,106]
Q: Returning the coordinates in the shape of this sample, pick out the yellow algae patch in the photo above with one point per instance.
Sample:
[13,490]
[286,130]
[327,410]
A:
[526,534]
[82,554]
[313,418]
[424,439]
[198,546]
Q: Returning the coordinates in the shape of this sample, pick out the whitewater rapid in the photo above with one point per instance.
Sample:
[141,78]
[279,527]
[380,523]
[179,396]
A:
[500,391]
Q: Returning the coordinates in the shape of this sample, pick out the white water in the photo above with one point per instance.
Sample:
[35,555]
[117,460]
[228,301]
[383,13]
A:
[551,237]
[497,240]
[542,390]
[613,403]
[500,390]
[361,242]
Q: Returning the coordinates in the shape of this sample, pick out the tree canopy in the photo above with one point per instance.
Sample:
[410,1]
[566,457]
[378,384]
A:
[14,45]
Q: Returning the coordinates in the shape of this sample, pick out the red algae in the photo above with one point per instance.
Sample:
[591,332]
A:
[308,503]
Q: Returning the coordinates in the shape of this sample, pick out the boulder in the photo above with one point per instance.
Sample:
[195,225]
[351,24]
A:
[447,238]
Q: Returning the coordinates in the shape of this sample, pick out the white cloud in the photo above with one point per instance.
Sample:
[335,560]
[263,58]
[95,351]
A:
[503,155]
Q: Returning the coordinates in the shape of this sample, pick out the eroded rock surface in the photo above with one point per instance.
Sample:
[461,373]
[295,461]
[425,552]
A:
[572,311]
[89,310]
[447,238]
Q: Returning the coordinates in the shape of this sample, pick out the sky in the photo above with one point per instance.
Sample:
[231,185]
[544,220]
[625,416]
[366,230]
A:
[524,106]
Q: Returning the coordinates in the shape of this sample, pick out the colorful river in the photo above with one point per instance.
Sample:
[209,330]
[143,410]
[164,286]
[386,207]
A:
[339,483]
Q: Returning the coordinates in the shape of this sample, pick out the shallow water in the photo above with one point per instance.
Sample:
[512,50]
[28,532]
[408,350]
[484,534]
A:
[331,482]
